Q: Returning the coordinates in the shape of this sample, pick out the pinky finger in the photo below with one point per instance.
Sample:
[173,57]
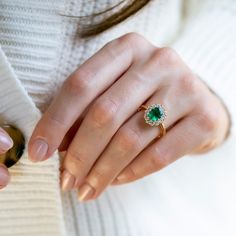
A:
[182,139]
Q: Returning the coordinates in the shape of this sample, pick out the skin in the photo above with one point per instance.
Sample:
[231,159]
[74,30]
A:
[94,117]
[5,144]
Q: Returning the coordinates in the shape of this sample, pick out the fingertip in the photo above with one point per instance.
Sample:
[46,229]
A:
[6,141]
[67,181]
[37,150]
[117,182]
[4,176]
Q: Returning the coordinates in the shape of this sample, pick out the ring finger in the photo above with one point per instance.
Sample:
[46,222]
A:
[107,114]
[101,122]
[134,136]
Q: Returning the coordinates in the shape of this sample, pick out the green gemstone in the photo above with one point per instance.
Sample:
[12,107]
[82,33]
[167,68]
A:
[155,114]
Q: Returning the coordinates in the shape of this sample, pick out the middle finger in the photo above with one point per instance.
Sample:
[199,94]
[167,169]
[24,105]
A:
[130,140]
[105,117]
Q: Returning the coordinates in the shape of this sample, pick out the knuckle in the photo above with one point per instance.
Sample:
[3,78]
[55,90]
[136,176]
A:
[133,174]
[208,120]
[130,173]
[165,56]
[127,41]
[112,48]
[79,81]
[51,127]
[159,160]
[54,119]
[128,44]
[76,157]
[128,140]
[97,178]
[188,84]
[132,37]
[98,174]
[103,112]
[138,76]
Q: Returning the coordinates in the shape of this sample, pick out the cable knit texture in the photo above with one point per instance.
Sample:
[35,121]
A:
[40,49]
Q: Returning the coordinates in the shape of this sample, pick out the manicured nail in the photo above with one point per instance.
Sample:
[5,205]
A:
[5,142]
[85,192]
[121,177]
[67,181]
[39,150]
[4,177]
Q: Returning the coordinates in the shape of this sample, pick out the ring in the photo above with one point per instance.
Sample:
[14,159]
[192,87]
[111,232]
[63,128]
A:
[155,115]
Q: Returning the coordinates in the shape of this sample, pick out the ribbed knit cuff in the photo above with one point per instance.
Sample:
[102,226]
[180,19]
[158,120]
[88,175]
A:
[31,203]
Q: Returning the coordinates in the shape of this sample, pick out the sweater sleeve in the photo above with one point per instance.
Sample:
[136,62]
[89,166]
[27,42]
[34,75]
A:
[207,43]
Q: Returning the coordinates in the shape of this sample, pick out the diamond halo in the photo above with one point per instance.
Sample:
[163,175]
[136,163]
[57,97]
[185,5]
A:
[155,114]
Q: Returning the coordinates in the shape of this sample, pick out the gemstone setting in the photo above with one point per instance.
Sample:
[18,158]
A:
[155,114]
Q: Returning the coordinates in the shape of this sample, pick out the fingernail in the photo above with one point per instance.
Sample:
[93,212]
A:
[121,177]
[5,142]
[39,150]
[85,192]
[4,177]
[67,181]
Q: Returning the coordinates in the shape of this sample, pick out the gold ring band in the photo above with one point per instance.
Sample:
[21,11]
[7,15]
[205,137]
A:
[154,116]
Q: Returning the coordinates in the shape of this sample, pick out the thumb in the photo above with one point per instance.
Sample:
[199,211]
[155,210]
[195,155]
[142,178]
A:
[5,141]
[4,176]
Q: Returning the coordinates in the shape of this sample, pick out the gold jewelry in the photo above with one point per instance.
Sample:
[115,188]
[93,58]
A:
[13,155]
[154,116]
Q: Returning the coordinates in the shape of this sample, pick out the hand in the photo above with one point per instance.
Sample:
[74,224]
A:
[5,144]
[94,116]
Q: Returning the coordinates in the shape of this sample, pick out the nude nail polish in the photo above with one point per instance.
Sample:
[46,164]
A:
[121,177]
[85,192]
[5,142]
[67,181]
[39,150]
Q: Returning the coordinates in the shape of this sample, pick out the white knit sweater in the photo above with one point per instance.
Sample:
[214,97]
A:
[39,49]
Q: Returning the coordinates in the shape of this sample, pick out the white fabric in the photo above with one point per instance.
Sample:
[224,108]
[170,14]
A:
[39,49]
[34,190]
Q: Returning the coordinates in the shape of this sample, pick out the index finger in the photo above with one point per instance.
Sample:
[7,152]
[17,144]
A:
[93,77]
